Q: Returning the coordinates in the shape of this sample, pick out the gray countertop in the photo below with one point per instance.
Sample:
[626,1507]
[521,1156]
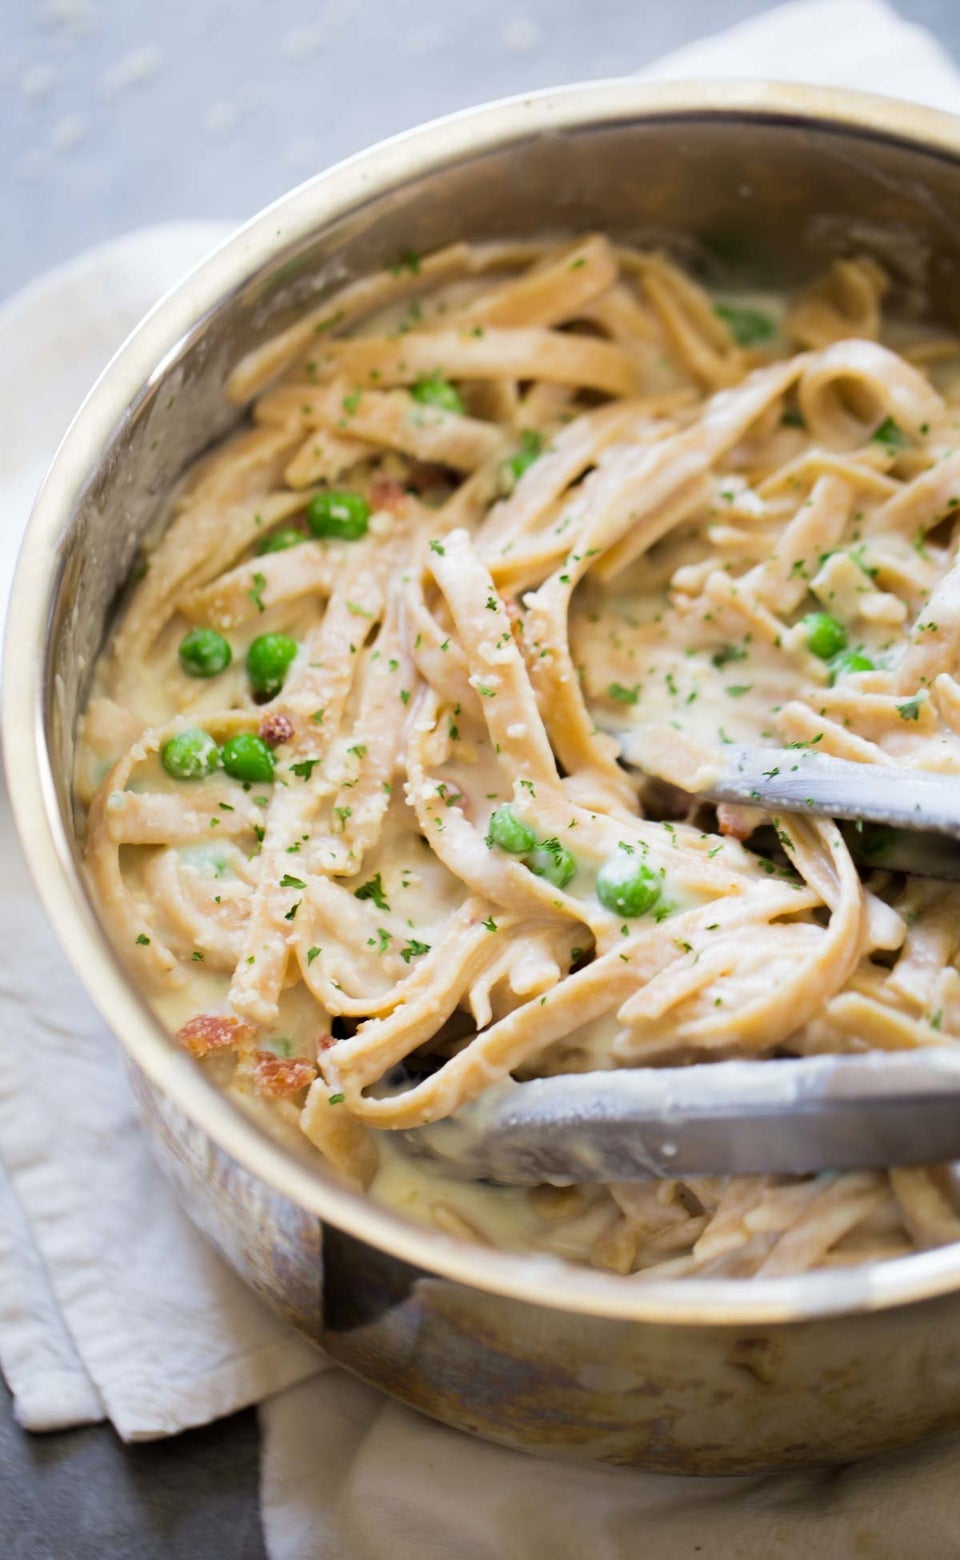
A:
[116,113]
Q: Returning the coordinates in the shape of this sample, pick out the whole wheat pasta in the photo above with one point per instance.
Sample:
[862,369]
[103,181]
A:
[351,821]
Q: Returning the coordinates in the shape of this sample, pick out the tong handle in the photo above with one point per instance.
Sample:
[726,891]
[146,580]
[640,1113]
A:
[789,1117]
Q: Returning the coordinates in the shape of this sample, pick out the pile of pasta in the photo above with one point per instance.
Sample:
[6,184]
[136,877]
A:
[591,492]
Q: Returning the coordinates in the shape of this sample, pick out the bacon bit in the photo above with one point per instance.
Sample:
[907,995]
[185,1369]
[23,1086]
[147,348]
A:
[276,728]
[277,1077]
[387,493]
[424,476]
[514,616]
[211,1032]
[737,821]
[324,1042]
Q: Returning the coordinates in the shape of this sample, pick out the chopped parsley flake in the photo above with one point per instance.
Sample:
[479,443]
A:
[623,695]
[408,260]
[305,768]
[890,434]
[726,654]
[257,589]
[413,949]
[372,889]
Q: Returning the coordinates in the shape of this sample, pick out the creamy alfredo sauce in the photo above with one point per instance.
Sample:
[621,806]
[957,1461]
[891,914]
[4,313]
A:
[351,821]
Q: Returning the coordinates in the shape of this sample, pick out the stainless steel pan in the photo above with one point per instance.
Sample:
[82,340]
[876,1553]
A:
[757,183]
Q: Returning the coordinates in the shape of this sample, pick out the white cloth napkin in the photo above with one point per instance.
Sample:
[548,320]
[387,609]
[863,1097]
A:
[830,43]
[111,1305]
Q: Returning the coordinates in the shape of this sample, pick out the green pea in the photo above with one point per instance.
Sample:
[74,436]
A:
[247,757]
[338,512]
[268,661]
[190,755]
[627,886]
[826,636]
[507,831]
[553,861]
[204,653]
[531,447]
[279,541]
[434,390]
[849,661]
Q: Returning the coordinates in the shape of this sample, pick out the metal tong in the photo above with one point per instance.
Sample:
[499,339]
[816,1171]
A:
[924,804]
[789,1117]
[742,1117]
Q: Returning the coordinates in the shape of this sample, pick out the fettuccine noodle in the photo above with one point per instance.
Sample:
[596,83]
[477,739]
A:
[352,822]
